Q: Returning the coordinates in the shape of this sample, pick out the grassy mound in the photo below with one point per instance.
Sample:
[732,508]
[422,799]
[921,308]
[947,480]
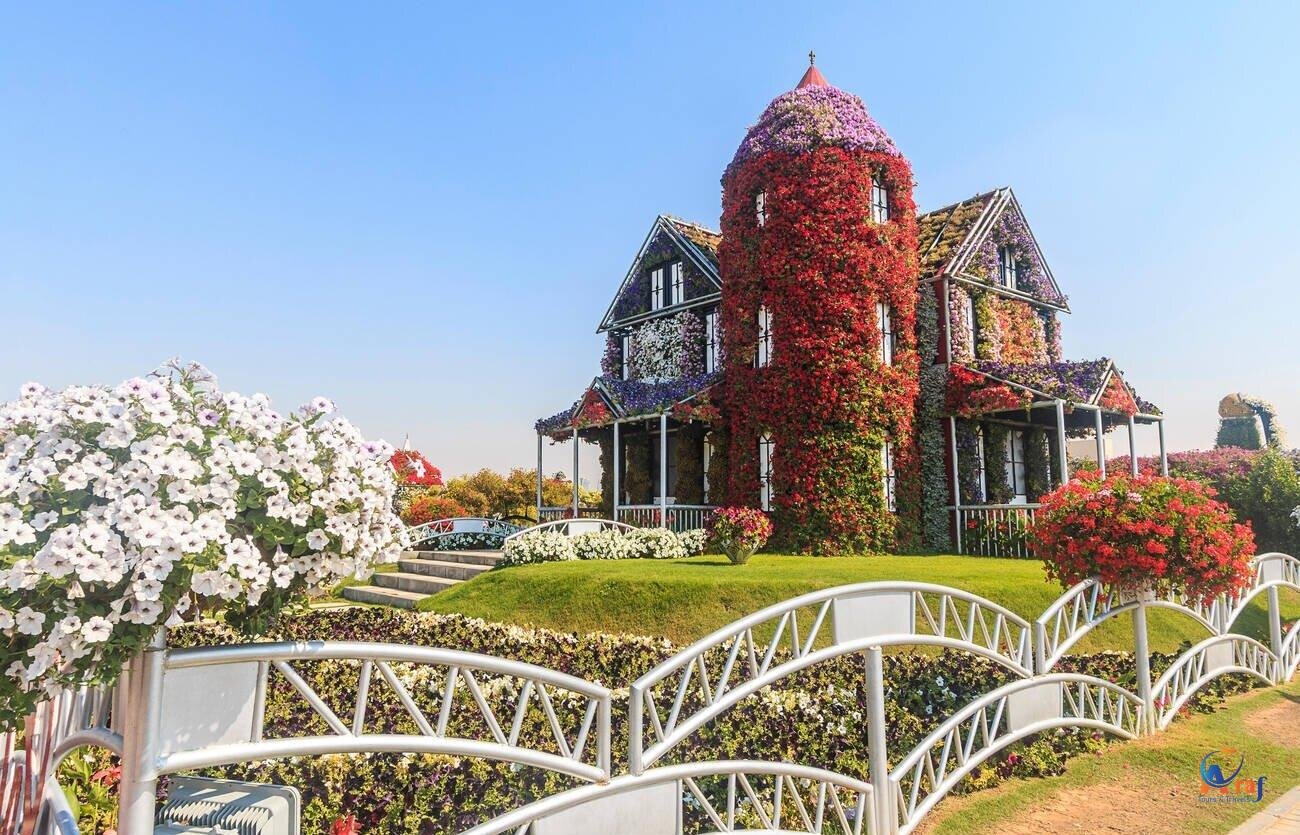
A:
[685,599]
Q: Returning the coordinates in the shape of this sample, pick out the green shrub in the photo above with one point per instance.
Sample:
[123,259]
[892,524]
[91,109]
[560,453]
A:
[1266,498]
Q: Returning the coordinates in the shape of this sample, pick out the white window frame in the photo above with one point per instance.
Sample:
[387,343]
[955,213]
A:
[711,342]
[765,449]
[885,320]
[984,475]
[760,209]
[657,288]
[879,201]
[626,348]
[971,323]
[1007,269]
[1015,465]
[676,283]
[764,356]
[708,458]
[889,476]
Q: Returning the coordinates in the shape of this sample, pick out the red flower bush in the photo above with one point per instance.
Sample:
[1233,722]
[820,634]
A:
[970,394]
[414,468]
[430,507]
[739,531]
[1149,532]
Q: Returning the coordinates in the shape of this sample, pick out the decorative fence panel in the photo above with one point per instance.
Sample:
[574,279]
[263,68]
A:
[994,530]
[681,517]
[472,705]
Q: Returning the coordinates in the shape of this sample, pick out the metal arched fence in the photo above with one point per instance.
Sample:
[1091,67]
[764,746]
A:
[183,709]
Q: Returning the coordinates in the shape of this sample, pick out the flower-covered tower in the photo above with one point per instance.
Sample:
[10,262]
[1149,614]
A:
[819,265]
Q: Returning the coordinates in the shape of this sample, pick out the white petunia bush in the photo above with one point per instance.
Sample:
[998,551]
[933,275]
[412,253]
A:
[124,509]
[549,545]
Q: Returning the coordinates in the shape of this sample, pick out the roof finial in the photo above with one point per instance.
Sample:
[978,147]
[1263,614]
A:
[812,58]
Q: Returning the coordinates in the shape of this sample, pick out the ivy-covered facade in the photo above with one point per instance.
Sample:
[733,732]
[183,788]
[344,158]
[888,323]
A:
[871,377]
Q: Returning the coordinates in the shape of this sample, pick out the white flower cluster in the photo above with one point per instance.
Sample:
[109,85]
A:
[642,543]
[124,508]
[667,348]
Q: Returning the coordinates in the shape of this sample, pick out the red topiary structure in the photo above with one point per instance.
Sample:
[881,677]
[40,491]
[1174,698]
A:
[818,240]
[414,469]
[1144,534]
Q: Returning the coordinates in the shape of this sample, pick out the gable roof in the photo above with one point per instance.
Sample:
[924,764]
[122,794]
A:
[697,243]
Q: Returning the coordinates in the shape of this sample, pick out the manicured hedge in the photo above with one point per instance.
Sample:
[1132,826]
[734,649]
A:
[817,717]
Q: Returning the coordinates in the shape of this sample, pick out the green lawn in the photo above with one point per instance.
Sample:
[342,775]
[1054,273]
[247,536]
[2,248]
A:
[685,599]
[1150,785]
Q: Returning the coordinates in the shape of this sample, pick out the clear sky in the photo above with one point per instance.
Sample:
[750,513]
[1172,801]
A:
[423,212]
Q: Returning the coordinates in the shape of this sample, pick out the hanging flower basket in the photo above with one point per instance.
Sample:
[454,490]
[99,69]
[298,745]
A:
[739,531]
[1148,535]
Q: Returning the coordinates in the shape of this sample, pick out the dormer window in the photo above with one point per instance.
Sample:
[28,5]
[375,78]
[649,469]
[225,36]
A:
[676,283]
[879,201]
[764,336]
[885,317]
[760,208]
[1007,267]
[657,288]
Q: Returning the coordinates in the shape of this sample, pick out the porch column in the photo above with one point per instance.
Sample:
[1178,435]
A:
[1164,459]
[575,472]
[956,480]
[539,477]
[1101,444]
[1061,459]
[663,469]
[617,468]
[1132,447]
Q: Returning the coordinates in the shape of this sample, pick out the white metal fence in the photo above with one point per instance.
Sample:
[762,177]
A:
[680,517]
[160,726]
[994,530]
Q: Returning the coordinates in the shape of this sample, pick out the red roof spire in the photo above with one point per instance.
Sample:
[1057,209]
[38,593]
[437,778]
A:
[813,77]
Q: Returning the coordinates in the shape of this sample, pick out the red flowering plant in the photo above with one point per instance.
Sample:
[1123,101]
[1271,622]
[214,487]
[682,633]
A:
[414,469]
[1118,398]
[346,825]
[1142,534]
[430,507]
[970,394]
[739,531]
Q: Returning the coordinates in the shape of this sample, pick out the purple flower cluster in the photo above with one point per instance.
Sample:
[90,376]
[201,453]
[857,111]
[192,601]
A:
[812,117]
[611,362]
[1012,231]
[636,397]
[1074,382]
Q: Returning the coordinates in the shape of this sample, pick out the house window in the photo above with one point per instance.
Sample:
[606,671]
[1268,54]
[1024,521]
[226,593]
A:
[1007,267]
[626,341]
[885,316]
[657,288]
[764,336]
[983,481]
[1015,463]
[708,458]
[760,208]
[677,283]
[889,477]
[711,342]
[972,325]
[765,448]
[879,201]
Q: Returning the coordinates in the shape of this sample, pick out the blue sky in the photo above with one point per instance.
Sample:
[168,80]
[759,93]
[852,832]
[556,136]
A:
[422,213]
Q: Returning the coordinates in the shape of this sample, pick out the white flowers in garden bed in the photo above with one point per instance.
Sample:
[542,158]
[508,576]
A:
[642,543]
[124,508]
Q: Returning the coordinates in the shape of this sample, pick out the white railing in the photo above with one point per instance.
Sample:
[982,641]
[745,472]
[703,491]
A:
[574,527]
[1211,658]
[553,514]
[441,530]
[994,530]
[719,796]
[681,517]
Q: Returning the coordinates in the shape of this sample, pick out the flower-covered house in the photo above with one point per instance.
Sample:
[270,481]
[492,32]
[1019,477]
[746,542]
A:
[873,377]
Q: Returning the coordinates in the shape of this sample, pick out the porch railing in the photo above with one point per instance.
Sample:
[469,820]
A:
[681,517]
[995,530]
[554,514]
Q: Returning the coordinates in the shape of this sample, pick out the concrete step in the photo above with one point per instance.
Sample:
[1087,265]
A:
[488,558]
[416,583]
[383,597]
[442,568]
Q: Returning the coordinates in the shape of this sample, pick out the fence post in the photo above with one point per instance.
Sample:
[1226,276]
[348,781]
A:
[877,755]
[1040,648]
[1275,630]
[143,705]
[1142,658]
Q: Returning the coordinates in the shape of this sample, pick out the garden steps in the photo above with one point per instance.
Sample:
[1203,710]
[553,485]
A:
[420,574]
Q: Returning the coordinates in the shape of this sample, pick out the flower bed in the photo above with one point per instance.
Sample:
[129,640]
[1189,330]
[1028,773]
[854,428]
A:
[639,544]
[815,717]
